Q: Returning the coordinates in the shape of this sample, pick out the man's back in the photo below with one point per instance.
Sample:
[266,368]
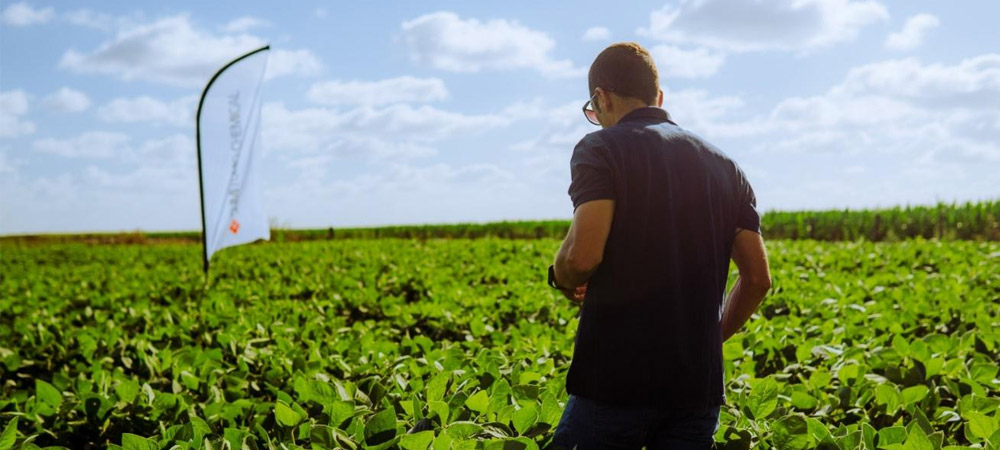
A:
[649,332]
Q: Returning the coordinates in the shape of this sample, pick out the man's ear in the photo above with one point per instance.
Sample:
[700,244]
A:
[605,98]
[659,100]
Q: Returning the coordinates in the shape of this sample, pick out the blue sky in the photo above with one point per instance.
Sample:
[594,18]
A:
[418,112]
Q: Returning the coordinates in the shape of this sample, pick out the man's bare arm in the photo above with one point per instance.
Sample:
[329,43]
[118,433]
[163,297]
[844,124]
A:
[583,249]
[752,284]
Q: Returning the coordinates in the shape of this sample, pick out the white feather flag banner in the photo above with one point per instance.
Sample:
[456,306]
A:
[228,130]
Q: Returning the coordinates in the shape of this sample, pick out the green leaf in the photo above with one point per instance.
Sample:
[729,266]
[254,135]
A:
[48,397]
[801,400]
[127,390]
[234,437]
[525,392]
[868,434]
[917,440]
[47,394]
[9,435]
[440,408]
[848,372]
[135,442]
[901,345]
[417,441]
[437,386]
[933,366]
[417,408]
[199,428]
[322,435]
[190,381]
[732,350]
[819,432]
[463,430]
[551,412]
[339,411]
[984,373]
[820,379]
[891,435]
[792,433]
[381,427]
[914,394]
[851,440]
[763,398]
[479,402]
[525,417]
[286,415]
[981,425]
[500,396]
[889,396]
[442,442]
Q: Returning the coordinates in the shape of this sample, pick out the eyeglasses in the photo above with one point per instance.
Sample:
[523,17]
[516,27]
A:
[588,110]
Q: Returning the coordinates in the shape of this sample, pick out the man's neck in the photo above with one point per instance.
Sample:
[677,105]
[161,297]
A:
[629,107]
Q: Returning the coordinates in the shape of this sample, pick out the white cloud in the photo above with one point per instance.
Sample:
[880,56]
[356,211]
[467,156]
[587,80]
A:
[66,100]
[396,129]
[444,40]
[102,21]
[292,62]
[156,166]
[912,34]
[91,144]
[596,34]
[172,51]
[243,24]
[13,105]
[697,109]
[91,19]
[376,93]
[151,185]
[781,25]
[22,14]
[7,165]
[674,62]
[973,82]
[407,193]
[562,127]
[179,112]
[933,113]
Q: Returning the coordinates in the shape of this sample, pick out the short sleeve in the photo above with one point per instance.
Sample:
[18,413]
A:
[747,216]
[591,173]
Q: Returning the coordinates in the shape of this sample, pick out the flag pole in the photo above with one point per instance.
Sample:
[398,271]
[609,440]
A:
[201,178]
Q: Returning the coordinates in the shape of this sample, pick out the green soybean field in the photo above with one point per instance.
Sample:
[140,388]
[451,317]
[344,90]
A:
[459,344]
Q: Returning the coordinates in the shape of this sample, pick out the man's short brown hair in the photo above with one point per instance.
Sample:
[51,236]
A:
[628,70]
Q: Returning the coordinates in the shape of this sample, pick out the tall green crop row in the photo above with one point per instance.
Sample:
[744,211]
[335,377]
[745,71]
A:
[969,221]
[458,344]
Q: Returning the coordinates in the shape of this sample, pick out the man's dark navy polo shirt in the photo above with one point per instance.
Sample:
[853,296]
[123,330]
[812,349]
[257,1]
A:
[649,332]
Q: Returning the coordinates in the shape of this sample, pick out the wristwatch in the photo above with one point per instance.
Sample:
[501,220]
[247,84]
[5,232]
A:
[552,279]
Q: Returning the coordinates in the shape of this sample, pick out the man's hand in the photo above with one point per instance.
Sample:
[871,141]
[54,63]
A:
[575,295]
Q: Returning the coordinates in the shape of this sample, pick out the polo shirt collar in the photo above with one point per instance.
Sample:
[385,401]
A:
[647,113]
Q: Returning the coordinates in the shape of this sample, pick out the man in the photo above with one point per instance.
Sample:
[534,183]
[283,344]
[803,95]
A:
[658,213]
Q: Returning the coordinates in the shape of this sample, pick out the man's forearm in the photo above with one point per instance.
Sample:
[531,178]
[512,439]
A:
[743,300]
[566,276]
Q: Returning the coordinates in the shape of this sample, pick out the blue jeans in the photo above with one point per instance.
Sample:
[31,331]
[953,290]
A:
[588,425]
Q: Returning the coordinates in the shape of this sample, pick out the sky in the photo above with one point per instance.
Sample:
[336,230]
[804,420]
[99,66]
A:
[380,113]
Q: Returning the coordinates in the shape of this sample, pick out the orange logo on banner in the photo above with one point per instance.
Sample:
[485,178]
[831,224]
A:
[234,226]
